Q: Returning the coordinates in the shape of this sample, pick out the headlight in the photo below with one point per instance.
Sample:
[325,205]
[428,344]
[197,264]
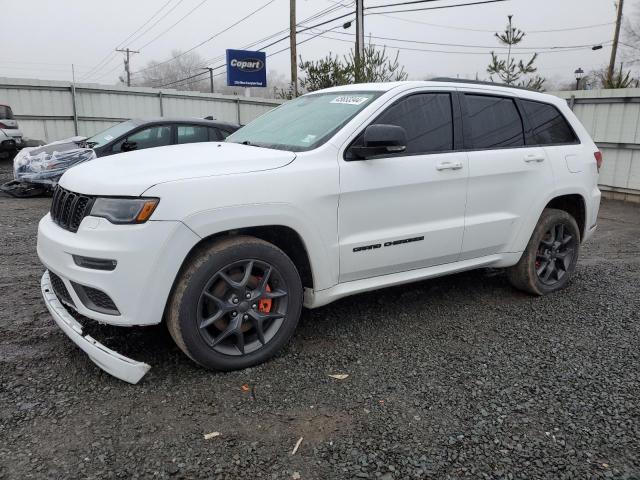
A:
[124,210]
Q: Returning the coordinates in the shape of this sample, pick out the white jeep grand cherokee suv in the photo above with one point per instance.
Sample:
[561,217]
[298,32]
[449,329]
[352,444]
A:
[337,192]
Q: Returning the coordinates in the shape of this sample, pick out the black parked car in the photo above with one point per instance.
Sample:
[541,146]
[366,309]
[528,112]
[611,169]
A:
[37,170]
[139,134]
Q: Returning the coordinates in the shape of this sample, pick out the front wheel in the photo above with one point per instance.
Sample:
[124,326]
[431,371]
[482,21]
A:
[549,261]
[235,304]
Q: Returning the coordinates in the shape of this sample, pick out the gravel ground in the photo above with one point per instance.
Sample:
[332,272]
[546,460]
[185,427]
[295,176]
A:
[459,377]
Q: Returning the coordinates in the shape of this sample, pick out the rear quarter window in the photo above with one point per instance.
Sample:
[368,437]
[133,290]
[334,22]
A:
[548,125]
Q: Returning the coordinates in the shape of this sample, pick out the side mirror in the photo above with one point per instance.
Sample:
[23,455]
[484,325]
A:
[127,146]
[381,140]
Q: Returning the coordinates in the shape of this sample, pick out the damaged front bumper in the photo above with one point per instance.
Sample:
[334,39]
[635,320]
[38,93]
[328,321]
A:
[111,362]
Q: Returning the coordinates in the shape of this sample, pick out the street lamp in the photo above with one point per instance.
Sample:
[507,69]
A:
[579,74]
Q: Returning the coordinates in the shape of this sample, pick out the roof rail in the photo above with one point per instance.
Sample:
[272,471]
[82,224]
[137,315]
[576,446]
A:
[478,82]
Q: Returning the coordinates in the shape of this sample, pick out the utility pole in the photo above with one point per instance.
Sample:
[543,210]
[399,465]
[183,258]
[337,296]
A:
[616,37]
[292,48]
[210,76]
[359,35]
[126,62]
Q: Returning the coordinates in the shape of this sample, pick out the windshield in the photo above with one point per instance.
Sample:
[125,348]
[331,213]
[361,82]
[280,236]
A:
[304,123]
[110,133]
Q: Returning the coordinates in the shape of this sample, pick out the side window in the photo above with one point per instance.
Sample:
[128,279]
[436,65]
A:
[426,117]
[492,122]
[548,126]
[192,133]
[428,120]
[156,136]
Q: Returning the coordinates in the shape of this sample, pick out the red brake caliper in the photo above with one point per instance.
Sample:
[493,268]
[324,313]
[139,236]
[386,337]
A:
[264,305]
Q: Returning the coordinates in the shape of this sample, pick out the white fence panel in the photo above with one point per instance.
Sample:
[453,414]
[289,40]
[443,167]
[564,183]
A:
[612,117]
[51,110]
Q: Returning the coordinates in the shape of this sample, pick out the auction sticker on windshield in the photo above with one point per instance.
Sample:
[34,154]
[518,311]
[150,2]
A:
[349,100]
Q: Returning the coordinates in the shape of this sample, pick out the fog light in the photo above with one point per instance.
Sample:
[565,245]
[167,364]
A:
[95,263]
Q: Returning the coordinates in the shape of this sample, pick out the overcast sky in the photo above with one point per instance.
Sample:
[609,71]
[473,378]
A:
[42,38]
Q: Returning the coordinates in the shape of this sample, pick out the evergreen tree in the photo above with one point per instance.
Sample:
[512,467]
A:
[511,71]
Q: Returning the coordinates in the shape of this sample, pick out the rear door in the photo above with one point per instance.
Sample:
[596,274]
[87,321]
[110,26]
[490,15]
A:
[405,211]
[507,178]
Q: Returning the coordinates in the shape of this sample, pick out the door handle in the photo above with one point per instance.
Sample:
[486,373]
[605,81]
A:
[534,157]
[449,166]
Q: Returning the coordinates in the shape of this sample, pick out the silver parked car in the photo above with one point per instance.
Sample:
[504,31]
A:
[9,125]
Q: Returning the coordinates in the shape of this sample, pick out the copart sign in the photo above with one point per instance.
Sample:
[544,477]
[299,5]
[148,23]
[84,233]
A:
[246,68]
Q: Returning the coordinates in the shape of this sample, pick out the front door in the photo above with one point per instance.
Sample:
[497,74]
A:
[405,211]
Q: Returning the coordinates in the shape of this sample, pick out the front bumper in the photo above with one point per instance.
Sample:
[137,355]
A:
[111,362]
[148,258]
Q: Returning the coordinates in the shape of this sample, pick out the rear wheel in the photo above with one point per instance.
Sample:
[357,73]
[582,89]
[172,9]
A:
[236,304]
[549,261]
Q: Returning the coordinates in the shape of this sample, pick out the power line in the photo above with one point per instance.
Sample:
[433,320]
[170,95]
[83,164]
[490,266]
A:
[316,15]
[268,55]
[492,47]
[112,54]
[528,32]
[315,26]
[585,27]
[138,37]
[145,23]
[171,27]
[397,47]
[261,48]
[412,2]
[437,8]
[211,37]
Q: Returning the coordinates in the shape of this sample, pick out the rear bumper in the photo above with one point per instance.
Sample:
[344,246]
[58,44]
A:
[108,360]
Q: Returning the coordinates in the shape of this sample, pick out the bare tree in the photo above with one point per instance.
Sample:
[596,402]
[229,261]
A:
[176,73]
[630,42]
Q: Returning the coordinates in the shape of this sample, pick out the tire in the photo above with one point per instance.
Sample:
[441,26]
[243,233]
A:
[222,329]
[543,267]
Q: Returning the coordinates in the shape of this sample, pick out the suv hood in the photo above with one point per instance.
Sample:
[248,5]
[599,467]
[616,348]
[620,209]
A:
[131,173]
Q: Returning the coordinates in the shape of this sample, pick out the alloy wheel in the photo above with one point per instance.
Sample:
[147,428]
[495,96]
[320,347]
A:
[555,255]
[242,307]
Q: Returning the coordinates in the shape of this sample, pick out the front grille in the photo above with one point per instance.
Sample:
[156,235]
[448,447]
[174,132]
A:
[69,208]
[60,289]
[96,300]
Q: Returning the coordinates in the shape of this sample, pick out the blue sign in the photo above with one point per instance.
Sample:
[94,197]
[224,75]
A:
[246,69]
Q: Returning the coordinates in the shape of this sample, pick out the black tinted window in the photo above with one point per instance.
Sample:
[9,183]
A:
[547,124]
[427,119]
[492,122]
[157,136]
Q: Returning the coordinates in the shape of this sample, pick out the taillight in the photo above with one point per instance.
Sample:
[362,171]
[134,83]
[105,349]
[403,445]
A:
[598,156]
[2,125]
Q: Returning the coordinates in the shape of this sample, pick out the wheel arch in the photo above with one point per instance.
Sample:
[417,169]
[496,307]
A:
[575,205]
[284,237]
